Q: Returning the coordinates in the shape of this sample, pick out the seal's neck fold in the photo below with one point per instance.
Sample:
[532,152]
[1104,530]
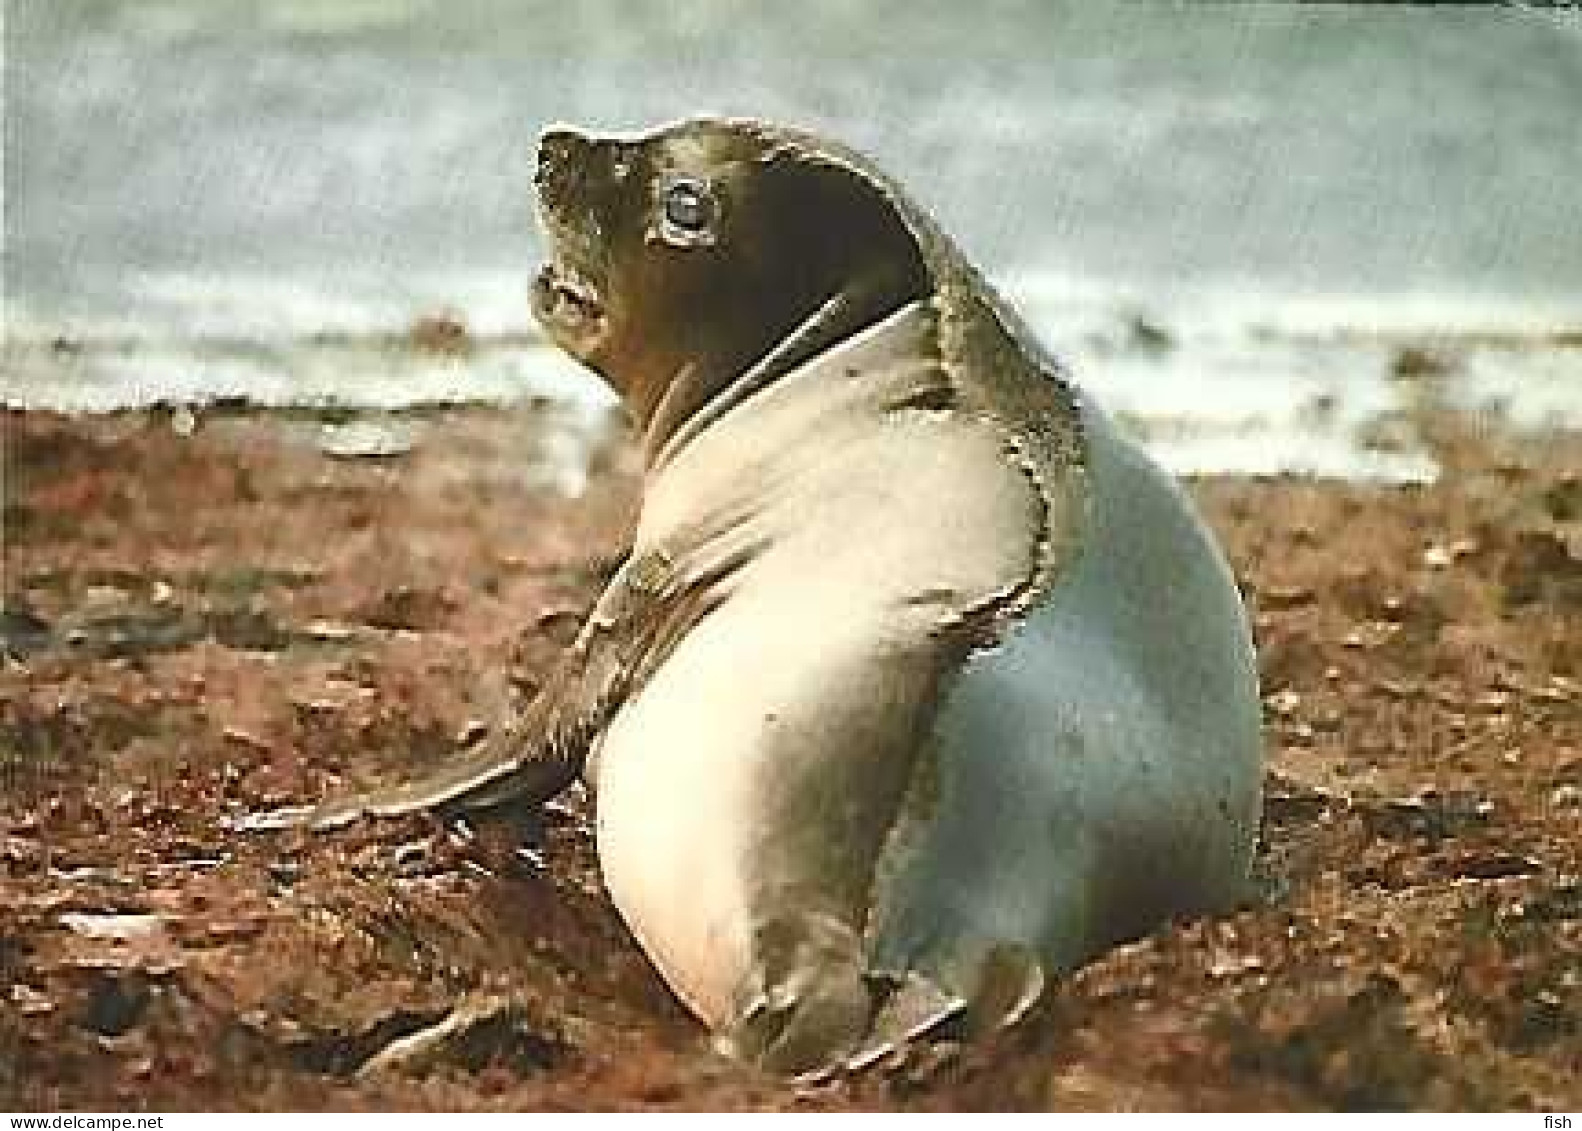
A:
[696,398]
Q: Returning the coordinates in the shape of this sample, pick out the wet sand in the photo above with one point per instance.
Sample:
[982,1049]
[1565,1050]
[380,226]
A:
[203,621]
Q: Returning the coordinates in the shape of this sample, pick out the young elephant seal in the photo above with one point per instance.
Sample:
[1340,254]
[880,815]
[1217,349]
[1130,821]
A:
[921,681]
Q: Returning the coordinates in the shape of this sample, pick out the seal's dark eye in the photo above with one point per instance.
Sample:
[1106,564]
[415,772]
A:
[688,205]
[687,211]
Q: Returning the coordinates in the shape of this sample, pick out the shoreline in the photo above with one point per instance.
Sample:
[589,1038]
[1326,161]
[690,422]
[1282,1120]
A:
[1342,403]
[212,614]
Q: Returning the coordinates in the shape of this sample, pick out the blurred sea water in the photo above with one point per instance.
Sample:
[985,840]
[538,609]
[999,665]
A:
[1230,220]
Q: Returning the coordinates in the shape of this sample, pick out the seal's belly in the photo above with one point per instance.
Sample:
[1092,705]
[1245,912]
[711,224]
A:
[687,789]
[673,811]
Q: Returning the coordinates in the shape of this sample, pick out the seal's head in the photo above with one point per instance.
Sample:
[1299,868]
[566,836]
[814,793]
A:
[681,257]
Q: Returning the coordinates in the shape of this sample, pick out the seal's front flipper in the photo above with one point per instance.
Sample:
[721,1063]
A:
[915,1008]
[1007,980]
[1010,980]
[807,1002]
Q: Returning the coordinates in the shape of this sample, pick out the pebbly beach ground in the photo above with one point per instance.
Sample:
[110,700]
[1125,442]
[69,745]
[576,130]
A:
[215,614]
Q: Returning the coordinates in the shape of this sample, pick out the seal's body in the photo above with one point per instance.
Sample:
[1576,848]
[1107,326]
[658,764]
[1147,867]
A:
[921,682]
[1095,772]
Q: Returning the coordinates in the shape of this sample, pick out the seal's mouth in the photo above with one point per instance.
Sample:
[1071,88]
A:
[569,307]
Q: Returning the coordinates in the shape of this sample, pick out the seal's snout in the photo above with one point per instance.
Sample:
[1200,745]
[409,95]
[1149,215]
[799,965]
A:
[562,165]
[557,148]
[574,168]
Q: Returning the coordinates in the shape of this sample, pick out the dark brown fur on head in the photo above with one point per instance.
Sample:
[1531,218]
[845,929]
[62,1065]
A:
[669,314]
